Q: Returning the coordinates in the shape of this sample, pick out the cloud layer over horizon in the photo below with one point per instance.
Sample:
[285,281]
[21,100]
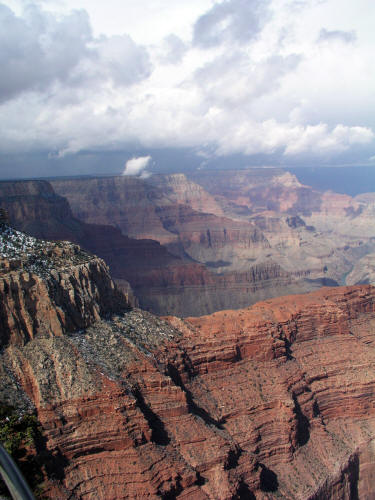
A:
[272,77]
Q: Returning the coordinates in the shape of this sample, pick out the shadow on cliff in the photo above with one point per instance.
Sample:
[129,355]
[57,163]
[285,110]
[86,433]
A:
[159,434]
[193,407]
[268,479]
[303,424]
[53,461]
[354,477]
[243,493]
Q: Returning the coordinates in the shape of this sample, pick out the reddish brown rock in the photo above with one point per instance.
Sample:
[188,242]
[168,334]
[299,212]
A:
[60,289]
[271,401]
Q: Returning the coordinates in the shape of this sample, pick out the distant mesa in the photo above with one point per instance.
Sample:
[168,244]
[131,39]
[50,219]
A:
[193,244]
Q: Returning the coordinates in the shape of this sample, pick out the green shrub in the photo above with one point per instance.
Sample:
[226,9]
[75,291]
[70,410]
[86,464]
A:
[19,435]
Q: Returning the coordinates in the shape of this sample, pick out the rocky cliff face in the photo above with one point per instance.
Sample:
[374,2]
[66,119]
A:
[182,191]
[127,203]
[272,401]
[50,288]
[163,282]
[240,237]
[259,189]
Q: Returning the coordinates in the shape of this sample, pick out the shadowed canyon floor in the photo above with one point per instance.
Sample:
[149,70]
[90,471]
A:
[271,401]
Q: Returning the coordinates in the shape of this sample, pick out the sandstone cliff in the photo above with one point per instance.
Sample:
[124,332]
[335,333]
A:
[164,283]
[272,401]
[241,237]
[50,288]
[126,202]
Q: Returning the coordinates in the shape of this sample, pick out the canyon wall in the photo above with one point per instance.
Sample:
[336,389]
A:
[165,279]
[186,248]
[55,290]
[226,225]
[271,401]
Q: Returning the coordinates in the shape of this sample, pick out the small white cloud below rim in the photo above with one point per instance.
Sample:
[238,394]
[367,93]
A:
[137,166]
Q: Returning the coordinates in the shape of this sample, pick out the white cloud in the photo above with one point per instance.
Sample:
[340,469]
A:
[231,21]
[137,166]
[230,76]
[173,49]
[337,35]
[321,140]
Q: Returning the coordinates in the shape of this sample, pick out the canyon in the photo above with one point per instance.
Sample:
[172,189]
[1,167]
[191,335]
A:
[275,400]
[191,245]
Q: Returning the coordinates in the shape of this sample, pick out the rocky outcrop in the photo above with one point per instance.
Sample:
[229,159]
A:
[209,238]
[363,271]
[272,401]
[259,189]
[58,289]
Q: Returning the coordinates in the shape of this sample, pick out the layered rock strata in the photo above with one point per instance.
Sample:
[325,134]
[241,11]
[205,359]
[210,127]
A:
[272,401]
[163,282]
[50,288]
[240,237]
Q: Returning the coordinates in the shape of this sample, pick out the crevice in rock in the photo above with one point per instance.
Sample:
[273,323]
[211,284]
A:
[209,238]
[159,434]
[231,461]
[201,480]
[243,493]
[238,354]
[303,424]
[315,408]
[193,407]
[288,350]
[89,451]
[354,477]
[173,493]
[268,479]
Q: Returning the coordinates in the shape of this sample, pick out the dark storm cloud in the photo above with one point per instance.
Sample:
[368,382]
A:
[343,36]
[39,49]
[232,20]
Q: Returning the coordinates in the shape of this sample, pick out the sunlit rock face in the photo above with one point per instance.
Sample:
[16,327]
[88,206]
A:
[227,229]
[50,288]
[270,401]
[217,240]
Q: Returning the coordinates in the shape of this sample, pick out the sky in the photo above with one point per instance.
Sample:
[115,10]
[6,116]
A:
[87,86]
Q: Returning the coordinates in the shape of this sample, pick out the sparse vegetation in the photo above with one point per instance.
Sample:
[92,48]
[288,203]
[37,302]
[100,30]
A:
[19,435]
[21,251]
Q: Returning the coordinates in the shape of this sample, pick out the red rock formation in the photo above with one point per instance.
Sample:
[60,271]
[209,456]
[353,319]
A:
[63,289]
[272,401]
